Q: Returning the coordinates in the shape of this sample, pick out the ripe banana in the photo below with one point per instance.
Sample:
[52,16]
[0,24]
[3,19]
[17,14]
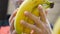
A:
[56,29]
[31,6]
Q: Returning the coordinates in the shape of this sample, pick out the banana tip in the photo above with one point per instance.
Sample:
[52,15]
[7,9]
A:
[52,5]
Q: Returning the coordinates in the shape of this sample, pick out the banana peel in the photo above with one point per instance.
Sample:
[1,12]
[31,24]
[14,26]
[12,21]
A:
[31,6]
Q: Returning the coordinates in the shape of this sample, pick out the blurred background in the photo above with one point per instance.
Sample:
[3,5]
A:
[8,6]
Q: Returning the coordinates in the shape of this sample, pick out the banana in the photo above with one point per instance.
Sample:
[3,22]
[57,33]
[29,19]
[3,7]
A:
[56,29]
[31,6]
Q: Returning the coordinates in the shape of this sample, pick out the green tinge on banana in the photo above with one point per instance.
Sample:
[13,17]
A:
[31,6]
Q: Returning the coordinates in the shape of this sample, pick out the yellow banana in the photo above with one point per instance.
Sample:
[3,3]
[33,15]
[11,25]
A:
[56,29]
[31,6]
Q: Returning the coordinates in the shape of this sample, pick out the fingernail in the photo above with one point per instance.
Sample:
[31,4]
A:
[26,13]
[40,7]
[22,21]
[32,32]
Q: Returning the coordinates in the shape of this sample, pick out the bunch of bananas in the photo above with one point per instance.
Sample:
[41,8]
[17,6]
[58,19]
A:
[31,6]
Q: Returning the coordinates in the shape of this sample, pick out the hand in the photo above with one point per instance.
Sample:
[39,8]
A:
[41,27]
[11,21]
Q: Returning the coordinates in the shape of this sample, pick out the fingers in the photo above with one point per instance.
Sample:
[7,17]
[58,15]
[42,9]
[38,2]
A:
[11,20]
[12,15]
[32,17]
[36,20]
[12,26]
[36,29]
[46,11]
[30,26]
[42,13]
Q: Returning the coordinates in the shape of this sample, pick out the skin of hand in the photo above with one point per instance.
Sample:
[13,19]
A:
[41,27]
